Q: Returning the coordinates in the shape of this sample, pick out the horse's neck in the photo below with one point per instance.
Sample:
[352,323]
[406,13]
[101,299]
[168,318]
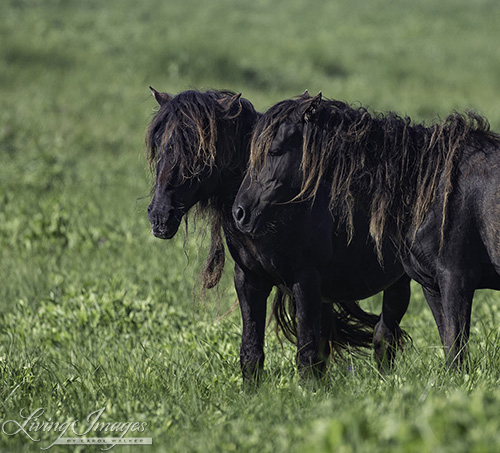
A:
[228,194]
[223,198]
[231,178]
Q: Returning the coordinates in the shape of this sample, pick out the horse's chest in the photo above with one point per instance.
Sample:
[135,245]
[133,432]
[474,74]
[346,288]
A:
[420,266]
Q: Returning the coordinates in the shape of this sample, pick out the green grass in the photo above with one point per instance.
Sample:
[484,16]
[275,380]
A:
[96,313]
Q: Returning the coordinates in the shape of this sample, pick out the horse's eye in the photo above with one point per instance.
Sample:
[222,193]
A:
[276,151]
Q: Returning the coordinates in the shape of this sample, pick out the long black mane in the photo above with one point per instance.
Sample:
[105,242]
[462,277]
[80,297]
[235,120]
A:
[392,165]
[197,129]
[200,130]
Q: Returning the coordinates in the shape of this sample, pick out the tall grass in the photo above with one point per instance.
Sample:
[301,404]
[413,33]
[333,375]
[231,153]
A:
[96,313]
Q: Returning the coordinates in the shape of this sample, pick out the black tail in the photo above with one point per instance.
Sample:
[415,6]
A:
[283,310]
[349,327]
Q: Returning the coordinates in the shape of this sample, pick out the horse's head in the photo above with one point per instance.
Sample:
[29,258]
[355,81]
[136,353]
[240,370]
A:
[193,139]
[274,179]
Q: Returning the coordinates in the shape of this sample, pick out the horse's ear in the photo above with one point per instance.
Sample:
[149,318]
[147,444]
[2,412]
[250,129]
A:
[161,98]
[312,108]
[235,98]
[227,103]
[306,94]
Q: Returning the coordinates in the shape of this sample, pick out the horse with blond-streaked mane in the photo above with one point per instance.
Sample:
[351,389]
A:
[429,192]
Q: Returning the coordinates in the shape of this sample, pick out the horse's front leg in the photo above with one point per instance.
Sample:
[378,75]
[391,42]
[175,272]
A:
[388,335]
[456,287]
[307,296]
[252,293]
[456,273]
[451,304]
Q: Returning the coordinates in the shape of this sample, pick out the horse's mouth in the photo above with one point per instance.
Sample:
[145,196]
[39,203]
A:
[160,234]
[253,229]
[166,230]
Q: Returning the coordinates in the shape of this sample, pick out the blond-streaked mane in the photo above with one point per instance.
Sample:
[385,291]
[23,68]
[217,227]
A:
[189,127]
[194,132]
[390,164]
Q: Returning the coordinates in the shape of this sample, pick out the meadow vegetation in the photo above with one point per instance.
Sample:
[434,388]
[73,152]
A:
[97,313]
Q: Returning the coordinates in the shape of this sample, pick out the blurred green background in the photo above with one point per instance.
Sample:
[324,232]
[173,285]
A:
[95,312]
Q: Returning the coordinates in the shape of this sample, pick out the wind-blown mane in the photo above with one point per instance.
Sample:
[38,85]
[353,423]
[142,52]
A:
[197,131]
[393,166]
[191,128]
[194,132]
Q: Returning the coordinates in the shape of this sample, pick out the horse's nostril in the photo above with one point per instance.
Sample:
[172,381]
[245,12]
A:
[239,214]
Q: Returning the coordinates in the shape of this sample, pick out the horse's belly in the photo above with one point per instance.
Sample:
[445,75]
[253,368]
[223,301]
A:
[354,285]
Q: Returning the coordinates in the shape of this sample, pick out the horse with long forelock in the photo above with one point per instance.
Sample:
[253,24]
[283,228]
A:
[431,191]
[197,143]
[332,264]
[199,146]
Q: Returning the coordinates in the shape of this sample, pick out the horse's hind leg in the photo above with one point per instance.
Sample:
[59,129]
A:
[388,335]
[327,326]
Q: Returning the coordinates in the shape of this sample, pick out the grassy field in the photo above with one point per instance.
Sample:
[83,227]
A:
[95,313]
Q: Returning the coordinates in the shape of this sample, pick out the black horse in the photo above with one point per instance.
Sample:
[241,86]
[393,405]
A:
[432,193]
[334,265]
[200,144]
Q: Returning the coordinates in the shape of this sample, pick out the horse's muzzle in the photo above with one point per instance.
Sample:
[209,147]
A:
[164,226]
[162,232]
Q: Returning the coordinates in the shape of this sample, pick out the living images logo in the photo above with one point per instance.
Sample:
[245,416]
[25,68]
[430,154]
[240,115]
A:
[91,431]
